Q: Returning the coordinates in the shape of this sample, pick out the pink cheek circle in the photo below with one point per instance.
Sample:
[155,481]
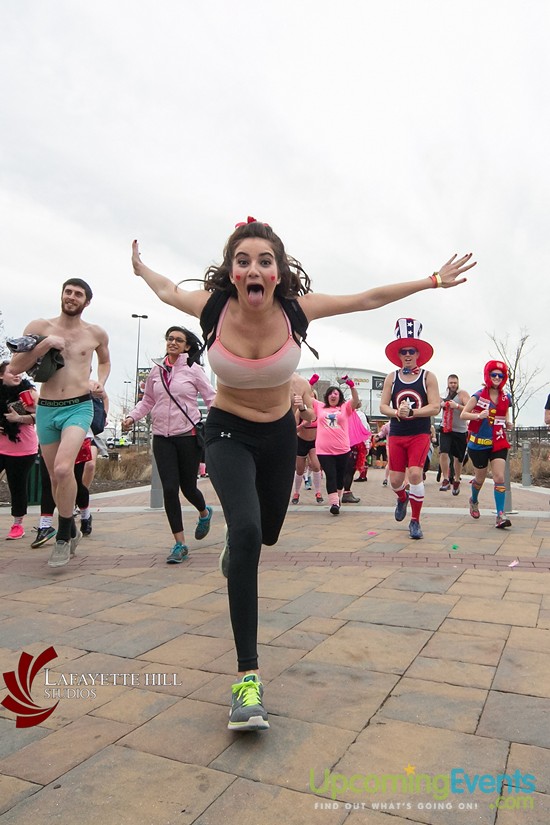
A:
[237,277]
[273,277]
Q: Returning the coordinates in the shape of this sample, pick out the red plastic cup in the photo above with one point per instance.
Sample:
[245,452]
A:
[27,398]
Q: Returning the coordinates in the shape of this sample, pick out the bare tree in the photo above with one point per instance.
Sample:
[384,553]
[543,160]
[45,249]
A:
[520,376]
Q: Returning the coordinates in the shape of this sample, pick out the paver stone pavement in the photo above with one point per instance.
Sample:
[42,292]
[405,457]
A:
[397,674]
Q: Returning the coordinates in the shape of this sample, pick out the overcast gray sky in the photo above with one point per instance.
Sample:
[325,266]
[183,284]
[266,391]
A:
[377,138]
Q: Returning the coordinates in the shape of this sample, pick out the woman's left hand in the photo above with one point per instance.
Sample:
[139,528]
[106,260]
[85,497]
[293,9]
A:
[12,416]
[450,271]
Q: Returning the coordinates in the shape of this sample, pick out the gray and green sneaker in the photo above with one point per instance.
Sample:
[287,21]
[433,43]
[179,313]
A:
[178,553]
[247,711]
[223,563]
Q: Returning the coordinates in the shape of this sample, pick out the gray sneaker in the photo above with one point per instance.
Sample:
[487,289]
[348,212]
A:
[247,711]
[74,543]
[223,563]
[60,555]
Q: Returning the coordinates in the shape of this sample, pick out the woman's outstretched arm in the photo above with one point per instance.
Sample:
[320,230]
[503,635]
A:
[190,302]
[323,306]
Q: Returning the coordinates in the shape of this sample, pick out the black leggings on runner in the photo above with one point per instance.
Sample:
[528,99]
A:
[334,468]
[17,469]
[178,458]
[350,467]
[251,466]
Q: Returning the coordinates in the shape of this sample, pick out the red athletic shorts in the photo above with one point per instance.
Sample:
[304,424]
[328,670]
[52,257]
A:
[408,451]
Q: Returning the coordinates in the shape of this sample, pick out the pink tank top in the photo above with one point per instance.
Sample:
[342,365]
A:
[253,373]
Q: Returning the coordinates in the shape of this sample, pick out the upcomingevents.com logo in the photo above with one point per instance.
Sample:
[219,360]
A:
[19,684]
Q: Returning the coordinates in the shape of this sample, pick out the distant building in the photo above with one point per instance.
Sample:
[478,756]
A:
[369,384]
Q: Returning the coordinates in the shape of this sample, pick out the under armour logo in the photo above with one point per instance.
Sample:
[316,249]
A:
[225,435]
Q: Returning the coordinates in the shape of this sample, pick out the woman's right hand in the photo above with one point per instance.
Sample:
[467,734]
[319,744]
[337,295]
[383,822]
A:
[127,423]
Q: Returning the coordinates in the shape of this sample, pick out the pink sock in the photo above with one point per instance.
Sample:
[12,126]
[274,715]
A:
[297,482]
[333,498]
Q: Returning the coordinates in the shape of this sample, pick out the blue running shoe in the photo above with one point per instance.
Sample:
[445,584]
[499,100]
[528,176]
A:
[415,531]
[178,554]
[203,525]
[401,508]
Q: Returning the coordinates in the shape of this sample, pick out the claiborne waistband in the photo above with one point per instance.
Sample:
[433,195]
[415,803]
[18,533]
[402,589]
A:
[64,402]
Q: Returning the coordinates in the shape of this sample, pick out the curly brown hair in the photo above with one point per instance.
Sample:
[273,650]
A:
[294,280]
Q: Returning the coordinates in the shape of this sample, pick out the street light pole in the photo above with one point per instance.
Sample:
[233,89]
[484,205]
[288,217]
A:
[136,399]
[126,397]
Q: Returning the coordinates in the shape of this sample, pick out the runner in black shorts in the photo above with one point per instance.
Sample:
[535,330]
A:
[488,412]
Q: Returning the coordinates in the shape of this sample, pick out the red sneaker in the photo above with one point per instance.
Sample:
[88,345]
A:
[16,532]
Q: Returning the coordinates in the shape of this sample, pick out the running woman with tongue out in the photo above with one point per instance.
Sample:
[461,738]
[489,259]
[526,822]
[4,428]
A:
[254,310]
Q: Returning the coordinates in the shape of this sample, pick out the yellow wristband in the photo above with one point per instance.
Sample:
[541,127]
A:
[436,278]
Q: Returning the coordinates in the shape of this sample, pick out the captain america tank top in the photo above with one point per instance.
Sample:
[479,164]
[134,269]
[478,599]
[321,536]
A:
[416,394]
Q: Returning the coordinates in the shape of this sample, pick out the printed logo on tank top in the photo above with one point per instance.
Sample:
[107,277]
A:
[414,398]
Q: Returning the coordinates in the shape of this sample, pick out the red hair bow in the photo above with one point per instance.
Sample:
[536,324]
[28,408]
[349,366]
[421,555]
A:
[250,219]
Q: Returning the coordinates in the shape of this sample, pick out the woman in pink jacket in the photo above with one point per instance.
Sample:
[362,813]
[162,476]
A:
[171,397]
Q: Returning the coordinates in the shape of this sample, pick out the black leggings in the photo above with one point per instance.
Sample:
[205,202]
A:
[251,466]
[334,468]
[350,468]
[17,469]
[47,503]
[177,458]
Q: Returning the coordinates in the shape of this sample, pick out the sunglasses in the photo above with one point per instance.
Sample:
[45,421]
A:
[496,374]
[175,340]
[409,351]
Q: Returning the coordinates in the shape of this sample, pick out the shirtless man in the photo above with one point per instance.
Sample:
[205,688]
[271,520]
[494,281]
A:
[64,412]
